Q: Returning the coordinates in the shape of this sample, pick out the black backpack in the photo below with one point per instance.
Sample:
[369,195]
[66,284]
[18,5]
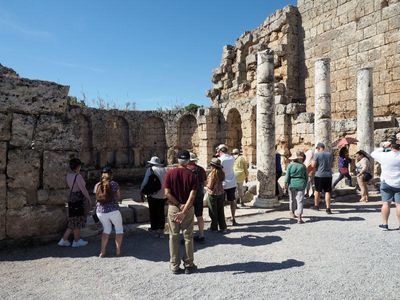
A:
[153,185]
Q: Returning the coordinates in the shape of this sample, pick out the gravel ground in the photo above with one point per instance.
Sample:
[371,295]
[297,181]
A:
[341,256]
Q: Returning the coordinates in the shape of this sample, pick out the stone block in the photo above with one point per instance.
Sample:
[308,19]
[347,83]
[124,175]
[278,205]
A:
[32,221]
[22,130]
[252,188]
[385,122]
[280,109]
[295,108]
[5,127]
[32,96]
[128,215]
[383,135]
[18,198]
[281,99]
[56,133]
[55,168]
[141,212]
[52,197]
[3,157]
[23,169]
[305,117]
[346,125]
[3,192]
[2,224]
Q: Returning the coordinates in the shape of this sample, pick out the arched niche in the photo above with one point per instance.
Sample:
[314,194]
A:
[234,130]
[188,137]
[154,140]
[117,141]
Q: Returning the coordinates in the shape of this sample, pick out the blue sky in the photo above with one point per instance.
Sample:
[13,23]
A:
[156,53]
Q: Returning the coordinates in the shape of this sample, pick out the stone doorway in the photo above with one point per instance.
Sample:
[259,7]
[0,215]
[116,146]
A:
[234,130]
[117,142]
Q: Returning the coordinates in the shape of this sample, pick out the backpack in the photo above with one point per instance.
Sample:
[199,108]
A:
[153,185]
[103,193]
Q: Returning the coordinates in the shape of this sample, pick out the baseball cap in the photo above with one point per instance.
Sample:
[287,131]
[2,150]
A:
[184,154]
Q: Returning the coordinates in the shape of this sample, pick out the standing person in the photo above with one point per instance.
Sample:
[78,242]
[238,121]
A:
[229,184]
[296,181]
[216,195]
[363,170]
[240,168]
[198,202]
[180,186]
[310,171]
[156,200]
[390,181]
[343,164]
[278,170]
[78,195]
[107,210]
[322,163]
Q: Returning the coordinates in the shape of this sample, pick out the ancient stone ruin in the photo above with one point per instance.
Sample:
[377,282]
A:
[318,49]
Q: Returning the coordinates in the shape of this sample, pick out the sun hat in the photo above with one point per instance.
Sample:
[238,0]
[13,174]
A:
[155,161]
[193,157]
[216,163]
[222,147]
[296,155]
[235,151]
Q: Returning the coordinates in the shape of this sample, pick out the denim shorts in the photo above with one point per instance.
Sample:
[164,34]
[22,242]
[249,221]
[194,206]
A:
[390,193]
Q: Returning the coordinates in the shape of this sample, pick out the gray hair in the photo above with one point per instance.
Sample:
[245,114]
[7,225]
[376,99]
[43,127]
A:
[183,161]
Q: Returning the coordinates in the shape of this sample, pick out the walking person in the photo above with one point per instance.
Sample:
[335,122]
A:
[227,162]
[78,204]
[390,181]
[240,168]
[107,210]
[343,164]
[310,171]
[364,174]
[278,170]
[216,195]
[180,186]
[156,199]
[198,202]
[296,181]
[322,163]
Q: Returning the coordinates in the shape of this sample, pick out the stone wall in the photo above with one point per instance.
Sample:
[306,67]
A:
[354,34]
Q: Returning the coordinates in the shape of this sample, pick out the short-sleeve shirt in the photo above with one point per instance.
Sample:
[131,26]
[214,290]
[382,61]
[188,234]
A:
[227,162]
[200,173]
[181,181]
[323,164]
[108,206]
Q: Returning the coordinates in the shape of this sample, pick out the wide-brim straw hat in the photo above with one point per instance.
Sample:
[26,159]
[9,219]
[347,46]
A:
[155,161]
[216,162]
[235,151]
[296,155]
[221,146]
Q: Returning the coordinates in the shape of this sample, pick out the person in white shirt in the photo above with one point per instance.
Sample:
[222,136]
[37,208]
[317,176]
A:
[390,181]
[229,183]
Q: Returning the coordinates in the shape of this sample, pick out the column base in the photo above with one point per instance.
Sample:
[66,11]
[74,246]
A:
[265,202]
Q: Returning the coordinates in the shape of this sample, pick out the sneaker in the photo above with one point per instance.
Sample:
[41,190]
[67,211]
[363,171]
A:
[385,227]
[199,239]
[234,223]
[177,271]
[80,243]
[315,207]
[328,211]
[190,270]
[63,243]
[300,222]
[242,205]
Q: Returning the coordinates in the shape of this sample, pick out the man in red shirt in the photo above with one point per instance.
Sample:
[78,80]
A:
[180,186]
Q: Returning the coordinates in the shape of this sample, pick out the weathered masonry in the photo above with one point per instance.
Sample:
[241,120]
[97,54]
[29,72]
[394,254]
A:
[40,131]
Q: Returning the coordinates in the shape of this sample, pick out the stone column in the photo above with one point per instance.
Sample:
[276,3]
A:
[265,131]
[322,86]
[365,110]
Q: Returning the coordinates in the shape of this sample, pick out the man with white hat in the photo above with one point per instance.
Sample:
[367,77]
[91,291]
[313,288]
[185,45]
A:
[229,183]
[241,173]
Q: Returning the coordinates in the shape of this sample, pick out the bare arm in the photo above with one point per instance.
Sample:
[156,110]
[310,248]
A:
[170,198]
[82,186]
[189,203]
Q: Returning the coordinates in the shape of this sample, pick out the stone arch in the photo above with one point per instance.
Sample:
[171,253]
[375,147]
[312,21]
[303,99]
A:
[188,136]
[117,141]
[234,129]
[153,139]
[85,134]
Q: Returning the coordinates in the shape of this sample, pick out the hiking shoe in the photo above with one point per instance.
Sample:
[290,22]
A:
[234,223]
[177,271]
[199,239]
[63,243]
[385,227]
[328,211]
[315,207]
[191,269]
[80,243]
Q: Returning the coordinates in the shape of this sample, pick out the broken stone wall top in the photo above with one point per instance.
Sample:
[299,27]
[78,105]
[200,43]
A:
[30,96]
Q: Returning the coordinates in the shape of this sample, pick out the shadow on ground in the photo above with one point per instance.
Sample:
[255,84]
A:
[253,267]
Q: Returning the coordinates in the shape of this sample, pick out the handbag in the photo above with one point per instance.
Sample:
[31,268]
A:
[75,202]
[367,177]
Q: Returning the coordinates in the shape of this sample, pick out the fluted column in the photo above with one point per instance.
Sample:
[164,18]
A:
[265,131]
[365,110]
[322,86]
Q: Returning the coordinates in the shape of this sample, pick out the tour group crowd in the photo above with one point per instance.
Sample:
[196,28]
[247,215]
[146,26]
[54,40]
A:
[185,187]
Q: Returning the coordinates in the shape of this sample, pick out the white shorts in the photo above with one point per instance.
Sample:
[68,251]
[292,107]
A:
[109,219]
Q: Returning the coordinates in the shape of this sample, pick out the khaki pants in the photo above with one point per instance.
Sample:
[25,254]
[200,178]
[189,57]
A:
[240,192]
[174,232]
